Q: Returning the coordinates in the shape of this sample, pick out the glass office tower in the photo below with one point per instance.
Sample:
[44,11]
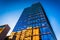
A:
[34,16]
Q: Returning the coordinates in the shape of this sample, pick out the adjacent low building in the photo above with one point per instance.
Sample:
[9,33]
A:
[4,29]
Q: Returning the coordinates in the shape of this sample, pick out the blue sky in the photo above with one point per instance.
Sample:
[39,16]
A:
[10,12]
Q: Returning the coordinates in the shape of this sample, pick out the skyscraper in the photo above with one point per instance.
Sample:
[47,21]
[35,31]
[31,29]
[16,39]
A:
[35,16]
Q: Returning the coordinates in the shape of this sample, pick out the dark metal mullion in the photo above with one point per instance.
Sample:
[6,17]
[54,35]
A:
[39,34]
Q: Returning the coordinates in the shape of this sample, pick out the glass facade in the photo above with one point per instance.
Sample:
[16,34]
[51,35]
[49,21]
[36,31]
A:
[35,16]
[26,34]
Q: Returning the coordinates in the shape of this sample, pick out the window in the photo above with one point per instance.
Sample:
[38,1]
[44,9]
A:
[45,37]
[43,24]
